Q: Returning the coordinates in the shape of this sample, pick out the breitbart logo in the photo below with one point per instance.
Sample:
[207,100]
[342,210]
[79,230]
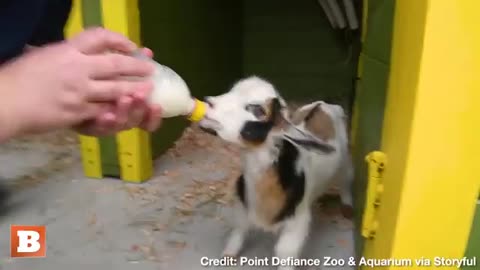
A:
[28,241]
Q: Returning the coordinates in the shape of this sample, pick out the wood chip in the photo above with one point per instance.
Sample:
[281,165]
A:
[159,227]
[177,244]
[92,220]
[188,195]
[184,211]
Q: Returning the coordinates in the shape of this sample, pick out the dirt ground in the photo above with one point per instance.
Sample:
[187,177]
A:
[169,222]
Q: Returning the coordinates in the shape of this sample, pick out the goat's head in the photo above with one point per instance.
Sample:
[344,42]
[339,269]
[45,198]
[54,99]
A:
[249,114]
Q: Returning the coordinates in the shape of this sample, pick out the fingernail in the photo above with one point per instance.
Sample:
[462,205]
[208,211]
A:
[149,52]
[139,96]
[125,100]
[109,117]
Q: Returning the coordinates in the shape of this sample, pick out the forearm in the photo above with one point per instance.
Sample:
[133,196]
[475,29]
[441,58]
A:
[8,113]
[7,131]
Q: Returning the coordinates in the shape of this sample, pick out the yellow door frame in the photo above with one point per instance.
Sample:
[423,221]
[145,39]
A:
[430,134]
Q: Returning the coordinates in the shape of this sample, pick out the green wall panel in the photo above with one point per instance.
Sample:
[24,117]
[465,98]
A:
[201,41]
[109,156]
[379,24]
[370,96]
[473,248]
[293,45]
[92,13]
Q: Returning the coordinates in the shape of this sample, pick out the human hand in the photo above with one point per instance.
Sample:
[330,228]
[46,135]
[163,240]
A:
[128,112]
[68,83]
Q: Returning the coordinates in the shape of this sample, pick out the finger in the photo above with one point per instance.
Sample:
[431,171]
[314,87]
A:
[147,52]
[85,128]
[124,105]
[141,94]
[98,116]
[113,65]
[98,40]
[139,109]
[105,91]
[137,114]
[101,126]
[105,124]
[91,110]
[153,119]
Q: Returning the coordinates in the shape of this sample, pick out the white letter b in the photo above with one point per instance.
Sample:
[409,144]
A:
[28,241]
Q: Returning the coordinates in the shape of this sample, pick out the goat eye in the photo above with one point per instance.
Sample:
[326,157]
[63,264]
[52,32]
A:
[257,110]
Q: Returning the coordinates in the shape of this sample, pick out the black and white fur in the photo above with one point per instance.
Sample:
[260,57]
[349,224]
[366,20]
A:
[283,171]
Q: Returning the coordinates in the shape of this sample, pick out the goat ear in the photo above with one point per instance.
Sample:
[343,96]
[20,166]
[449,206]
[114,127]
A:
[311,145]
[305,112]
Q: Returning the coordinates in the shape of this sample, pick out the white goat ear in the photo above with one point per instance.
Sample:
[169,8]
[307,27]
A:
[304,112]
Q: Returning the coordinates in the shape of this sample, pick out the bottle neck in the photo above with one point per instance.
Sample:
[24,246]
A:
[191,106]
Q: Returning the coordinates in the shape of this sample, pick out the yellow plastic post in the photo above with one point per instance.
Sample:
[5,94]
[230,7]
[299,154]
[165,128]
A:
[75,22]
[89,146]
[430,134]
[91,157]
[134,148]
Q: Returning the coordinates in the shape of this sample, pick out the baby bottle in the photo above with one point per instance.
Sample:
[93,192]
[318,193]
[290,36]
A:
[172,94]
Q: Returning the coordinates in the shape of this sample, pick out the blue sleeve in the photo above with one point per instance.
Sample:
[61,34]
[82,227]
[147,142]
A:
[52,24]
[34,22]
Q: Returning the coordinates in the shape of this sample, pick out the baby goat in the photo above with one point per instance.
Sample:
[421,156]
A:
[285,168]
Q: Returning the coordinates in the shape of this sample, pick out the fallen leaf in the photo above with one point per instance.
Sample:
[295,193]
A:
[184,211]
[177,244]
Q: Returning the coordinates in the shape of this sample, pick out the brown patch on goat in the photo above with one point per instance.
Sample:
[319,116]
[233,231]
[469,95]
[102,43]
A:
[269,108]
[270,196]
[320,123]
[275,115]
[250,144]
[298,116]
[317,121]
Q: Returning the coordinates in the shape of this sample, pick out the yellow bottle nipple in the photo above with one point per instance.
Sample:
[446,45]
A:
[199,111]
